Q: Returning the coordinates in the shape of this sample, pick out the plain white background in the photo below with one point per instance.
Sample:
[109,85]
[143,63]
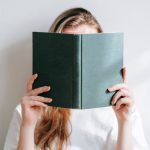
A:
[18,19]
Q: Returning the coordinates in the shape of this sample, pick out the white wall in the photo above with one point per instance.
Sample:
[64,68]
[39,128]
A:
[19,18]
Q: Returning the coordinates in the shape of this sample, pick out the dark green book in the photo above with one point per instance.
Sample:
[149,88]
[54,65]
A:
[78,67]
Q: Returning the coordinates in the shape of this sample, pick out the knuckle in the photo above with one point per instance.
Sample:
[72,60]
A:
[118,94]
[34,102]
[42,89]
[44,98]
[33,93]
[122,91]
[29,93]
[119,102]
[122,100]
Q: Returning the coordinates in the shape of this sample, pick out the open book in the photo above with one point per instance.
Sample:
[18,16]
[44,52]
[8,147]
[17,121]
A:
[78,67]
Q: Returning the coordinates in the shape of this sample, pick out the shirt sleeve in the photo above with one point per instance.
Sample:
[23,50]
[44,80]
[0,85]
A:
[13,130]
[139,140]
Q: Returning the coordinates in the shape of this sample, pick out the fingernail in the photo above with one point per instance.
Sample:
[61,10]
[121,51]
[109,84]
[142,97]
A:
[48,87]
[36,75]
[50,99]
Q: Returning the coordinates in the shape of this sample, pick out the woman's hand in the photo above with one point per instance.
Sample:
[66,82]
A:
[32,103]
[122,101]
[31,110]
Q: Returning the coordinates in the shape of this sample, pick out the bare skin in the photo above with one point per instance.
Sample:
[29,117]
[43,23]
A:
[31,105]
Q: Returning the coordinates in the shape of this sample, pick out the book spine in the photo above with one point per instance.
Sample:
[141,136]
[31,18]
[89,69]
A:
[76,77]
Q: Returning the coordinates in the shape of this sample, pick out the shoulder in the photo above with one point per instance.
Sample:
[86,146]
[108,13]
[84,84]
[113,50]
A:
[13,130]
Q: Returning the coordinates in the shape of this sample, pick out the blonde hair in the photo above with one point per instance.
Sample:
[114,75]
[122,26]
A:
[73,18]
[54,123]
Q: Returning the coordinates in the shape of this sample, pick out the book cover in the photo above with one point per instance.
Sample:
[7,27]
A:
[78,67]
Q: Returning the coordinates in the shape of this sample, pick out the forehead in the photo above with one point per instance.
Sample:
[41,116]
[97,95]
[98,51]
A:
[82,29]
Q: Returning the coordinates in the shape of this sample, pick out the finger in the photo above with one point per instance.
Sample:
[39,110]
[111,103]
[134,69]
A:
[30,82]
[123,101]
[118,95]
[118,87]
[40,98]
[38,91]
[37,103]
[114,107]
[124,74]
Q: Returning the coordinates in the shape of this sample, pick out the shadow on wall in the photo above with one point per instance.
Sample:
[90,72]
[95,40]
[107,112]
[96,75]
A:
[15,71]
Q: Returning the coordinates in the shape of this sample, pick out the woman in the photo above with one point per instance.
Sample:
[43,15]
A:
[37,126]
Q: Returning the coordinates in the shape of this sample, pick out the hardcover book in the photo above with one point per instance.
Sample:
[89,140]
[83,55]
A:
[78,67]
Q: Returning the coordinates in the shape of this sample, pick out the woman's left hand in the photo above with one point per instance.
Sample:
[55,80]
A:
[122,101]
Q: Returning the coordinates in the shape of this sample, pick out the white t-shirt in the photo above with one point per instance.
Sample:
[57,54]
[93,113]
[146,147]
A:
[92,129]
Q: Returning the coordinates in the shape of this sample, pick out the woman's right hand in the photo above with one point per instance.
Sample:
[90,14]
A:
[32,104]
